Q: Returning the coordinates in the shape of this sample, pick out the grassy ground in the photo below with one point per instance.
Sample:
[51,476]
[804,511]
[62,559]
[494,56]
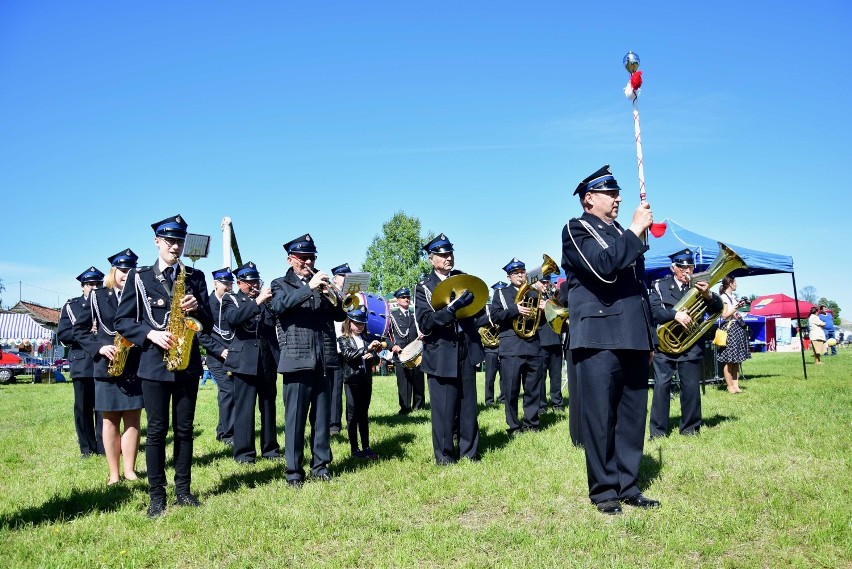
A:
[765,485]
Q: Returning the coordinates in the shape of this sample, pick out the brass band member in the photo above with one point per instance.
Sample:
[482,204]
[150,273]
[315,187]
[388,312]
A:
[409,381]
[146,317]
[253,362]
[338,274]
[117,397]
[452,349]
[75,321]
[611,338]
[308,359]
[551,362]
[665,293]
[520,358]
[492,362]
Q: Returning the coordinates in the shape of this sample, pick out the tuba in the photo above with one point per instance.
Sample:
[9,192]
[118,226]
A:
[526,326]
[116,366]
[676,339]
[182,327]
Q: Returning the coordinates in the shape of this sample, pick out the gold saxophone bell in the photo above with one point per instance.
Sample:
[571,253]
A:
[182,327]
[122,345]
[526,326]
[676,339]
[455,286]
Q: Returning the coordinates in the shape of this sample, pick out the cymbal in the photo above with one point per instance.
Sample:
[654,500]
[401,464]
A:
[458,284]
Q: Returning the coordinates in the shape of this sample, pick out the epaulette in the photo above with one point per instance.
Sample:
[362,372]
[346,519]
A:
[145,268]
[189,270]
[75,299]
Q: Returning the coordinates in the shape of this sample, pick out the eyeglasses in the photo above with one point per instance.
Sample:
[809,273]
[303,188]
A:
[304,258]
[172,241]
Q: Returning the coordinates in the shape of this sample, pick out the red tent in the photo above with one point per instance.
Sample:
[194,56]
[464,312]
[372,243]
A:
[7,358]
[779,306]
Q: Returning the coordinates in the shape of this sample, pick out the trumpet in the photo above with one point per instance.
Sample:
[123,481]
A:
[329,291]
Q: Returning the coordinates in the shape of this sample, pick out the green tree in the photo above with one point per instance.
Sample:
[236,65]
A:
[808,294]
[396,258]
[831,305]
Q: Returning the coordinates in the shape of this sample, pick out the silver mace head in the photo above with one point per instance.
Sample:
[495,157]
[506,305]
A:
[631,62]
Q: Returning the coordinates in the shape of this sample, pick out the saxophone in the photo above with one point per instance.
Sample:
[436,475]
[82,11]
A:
[116,366]
[182,327]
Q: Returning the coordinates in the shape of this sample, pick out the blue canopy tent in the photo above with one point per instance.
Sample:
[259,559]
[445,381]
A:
[705,249]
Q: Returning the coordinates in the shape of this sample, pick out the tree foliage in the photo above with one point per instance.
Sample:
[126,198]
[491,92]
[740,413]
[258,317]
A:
[808,294]
[395,258]
[831,305]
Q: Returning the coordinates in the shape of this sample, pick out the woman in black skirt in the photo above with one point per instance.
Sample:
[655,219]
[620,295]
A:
[736,351]
[118,398]
[358,354]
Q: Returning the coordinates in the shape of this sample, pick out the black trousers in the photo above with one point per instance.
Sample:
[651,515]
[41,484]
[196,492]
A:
[307,396]
[357,415]
[337,400]
[225,386]
[689,372]
[248,391]
[515,371]
[614,387]
[160,397]
[551,364]
[492,366]
[454,399]
[410,387]
[575,407]
[87,422]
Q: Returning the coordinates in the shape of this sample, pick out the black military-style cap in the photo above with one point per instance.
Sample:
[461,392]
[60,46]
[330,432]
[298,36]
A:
[173,227]
[514,265]
[358,315]
[341,270]
[124,260]
[247,272]
[225,275]
[600,181]
[440,244]
[303,244]
[401,292]
[684,257]
[90,275]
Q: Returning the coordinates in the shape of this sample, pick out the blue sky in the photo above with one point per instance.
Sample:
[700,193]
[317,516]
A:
[479,118]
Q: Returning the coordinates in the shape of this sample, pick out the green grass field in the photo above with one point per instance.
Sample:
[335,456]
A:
[765,485]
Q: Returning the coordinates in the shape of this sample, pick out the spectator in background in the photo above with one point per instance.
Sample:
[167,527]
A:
[817,334]
[736,352]
[826,316]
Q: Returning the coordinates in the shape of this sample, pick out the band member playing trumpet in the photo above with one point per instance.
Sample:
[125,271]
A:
[75,321]
[253,362]
[409,381]
[306,314]
[452,349]
[148,316]
[665,293]
[520,358]
[611,338]
[118,392]
[216,344]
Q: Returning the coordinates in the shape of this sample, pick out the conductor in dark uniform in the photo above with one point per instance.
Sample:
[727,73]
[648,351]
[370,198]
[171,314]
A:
[611,338]
[253,362]
[306,316]
[410,384]
[452,348]
[520,358]
[144,317]
[492,358]
[75,319]
[216,343]
[665,294]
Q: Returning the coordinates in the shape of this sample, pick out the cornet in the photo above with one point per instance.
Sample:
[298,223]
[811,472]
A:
[329,291]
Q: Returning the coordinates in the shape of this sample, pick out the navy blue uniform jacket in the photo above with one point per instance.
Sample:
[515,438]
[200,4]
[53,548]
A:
[665,293]
[75,320]
[133,322]
[254,333]
[107,304]
[510,343]
[607,298]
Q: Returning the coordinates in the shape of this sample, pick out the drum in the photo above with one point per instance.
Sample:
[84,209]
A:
[411,354]
[378,310]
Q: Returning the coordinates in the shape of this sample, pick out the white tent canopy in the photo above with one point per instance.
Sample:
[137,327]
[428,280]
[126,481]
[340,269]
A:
[18,327]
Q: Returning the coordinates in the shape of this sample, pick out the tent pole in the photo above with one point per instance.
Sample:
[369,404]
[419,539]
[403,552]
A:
[799,325]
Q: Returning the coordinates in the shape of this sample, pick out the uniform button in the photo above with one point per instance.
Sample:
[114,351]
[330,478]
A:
[600,311]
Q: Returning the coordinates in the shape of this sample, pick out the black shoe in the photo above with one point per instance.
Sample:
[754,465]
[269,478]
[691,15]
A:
[692,433]
[559,409]
[610,507]
[87,454]
[323,476]
[245,462]
[334,431]
[157,507]
[188,499]
[276,456]
[404,411]
[295,483]
[228,442]
[655,437]
[640,501]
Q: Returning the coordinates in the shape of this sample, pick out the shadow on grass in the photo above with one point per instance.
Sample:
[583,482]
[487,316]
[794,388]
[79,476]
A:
[649,469]
[395,419]
[78,504]
[387,448]
[249,477]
